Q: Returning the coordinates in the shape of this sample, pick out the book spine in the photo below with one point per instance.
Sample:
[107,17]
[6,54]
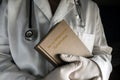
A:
[47,56]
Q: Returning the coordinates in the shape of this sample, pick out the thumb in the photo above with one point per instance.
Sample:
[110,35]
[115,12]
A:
[68,69]
[69,58]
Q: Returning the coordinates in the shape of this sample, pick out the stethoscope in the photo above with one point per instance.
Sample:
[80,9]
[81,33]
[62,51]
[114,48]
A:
[31,34]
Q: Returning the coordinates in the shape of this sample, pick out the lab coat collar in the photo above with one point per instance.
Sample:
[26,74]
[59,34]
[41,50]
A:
[44,7]
[63,8]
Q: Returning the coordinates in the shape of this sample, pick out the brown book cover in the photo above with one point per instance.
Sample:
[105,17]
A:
[61,39]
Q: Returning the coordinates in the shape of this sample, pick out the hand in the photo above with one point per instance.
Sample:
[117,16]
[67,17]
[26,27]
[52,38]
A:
[62,73]
[88,69]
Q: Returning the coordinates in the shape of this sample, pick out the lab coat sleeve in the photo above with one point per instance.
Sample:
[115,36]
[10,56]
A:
[8,69]
[101,51]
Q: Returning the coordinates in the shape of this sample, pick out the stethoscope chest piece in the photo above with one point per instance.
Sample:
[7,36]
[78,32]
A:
[30,35]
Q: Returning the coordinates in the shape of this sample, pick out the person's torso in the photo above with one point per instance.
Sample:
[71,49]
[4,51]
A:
[22,50]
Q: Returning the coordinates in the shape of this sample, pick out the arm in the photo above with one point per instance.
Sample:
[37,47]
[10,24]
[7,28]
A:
[101,51]
[99,66]
[8,70]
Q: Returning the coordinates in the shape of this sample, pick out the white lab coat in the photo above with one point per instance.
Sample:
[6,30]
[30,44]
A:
[18,58]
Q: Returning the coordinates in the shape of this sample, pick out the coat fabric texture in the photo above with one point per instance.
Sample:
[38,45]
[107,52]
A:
[18,58]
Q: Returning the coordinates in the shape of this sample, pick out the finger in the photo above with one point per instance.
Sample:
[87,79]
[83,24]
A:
[71,67]
[69,58]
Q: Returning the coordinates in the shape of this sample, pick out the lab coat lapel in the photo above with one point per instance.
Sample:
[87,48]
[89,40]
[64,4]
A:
[44,7]
[64,7]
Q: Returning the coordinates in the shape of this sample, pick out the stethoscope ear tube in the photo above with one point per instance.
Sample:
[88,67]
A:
[0,1]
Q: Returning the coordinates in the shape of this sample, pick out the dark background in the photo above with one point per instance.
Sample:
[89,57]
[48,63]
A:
[110,15]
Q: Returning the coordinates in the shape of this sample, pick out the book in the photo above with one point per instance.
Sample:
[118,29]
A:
[61,39]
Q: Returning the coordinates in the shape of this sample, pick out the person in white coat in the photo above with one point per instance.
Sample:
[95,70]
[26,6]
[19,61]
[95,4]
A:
[20,61]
